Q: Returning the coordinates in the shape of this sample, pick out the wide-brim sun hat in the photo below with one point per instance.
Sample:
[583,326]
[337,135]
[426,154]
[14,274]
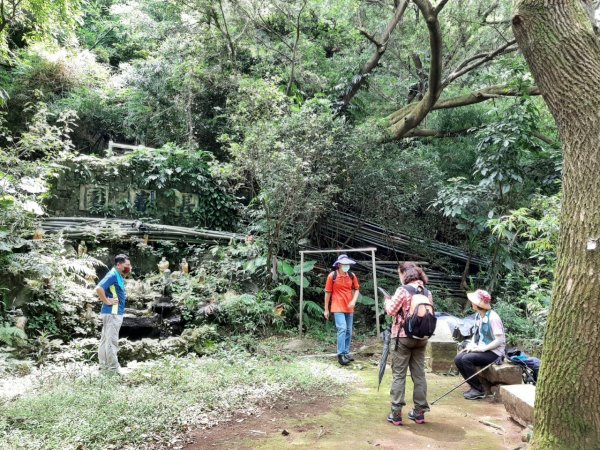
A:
[343,259]
[480,298]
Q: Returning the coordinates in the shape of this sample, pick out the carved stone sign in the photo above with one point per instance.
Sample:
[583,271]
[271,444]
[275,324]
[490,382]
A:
[185,202]
[142,200]
[92,196]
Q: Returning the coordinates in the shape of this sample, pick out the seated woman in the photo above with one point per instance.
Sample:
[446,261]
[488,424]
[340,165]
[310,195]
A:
[488,345]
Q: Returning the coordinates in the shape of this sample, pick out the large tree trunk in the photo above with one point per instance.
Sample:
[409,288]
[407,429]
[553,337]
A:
[559,44]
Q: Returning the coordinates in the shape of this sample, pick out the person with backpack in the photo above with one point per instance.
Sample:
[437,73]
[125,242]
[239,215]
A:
[414,322]
[487,346]
[341,294]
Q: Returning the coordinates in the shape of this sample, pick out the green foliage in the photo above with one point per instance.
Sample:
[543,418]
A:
[286,294]
[172,170]
[294,156]
[532,235]
[184,169]
[56,281]
[36,19]
[46,72]
[519,328]
[12,336]
[257,87]
[201,339]
[23,180]
[55,277]
[503,148]
[247,314]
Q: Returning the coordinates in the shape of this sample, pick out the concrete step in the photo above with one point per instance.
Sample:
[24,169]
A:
[519,400]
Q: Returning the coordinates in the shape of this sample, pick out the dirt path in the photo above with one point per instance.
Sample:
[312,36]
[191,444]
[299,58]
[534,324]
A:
[358,422]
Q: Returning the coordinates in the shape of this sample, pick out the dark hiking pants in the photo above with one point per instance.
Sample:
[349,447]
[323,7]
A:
[467,363]
[410,354]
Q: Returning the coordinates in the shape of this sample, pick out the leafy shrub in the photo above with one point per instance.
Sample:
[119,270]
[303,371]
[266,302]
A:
[518,327]
[55,277]
[55,71]
[201,339]
[247,314]
[12,336]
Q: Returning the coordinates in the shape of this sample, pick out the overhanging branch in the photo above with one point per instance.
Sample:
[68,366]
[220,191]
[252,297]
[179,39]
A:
[485,94]
[478,60]
[370,37]
[401,124]
[472,98]
[380,48]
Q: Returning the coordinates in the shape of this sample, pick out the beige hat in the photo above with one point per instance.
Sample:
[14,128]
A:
[480,298]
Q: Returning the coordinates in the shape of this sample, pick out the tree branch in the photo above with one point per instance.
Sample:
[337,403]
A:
[485,94]
[440,6]
[489,11]
[370,65]
[478,60]
[401,124]
[548,140]
[288,90]
[370,37]
[472,98]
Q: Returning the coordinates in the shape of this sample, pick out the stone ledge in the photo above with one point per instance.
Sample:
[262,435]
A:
[441,355]
[502,374]
[519,401]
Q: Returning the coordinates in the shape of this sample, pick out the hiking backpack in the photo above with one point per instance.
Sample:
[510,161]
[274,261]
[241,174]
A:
[421,321]
[334,275]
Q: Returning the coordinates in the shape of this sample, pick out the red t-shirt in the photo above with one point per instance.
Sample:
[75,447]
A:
[341,291]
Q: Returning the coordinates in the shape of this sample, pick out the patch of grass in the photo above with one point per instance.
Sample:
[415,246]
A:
[159,397]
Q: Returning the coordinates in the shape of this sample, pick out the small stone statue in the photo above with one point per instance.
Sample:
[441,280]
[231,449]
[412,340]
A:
[81,249]
[21,322]
[89,314]
[184,267]
[163,265]
[38,234]
[91,279]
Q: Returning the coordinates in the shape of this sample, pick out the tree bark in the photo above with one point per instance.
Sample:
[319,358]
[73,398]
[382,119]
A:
[559,44]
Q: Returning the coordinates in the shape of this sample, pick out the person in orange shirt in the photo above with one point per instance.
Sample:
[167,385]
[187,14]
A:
[341,294]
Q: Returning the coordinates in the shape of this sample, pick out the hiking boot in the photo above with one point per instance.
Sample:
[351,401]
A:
[395,418]
[417,415]
[342,360]
[348,357]
[473,394]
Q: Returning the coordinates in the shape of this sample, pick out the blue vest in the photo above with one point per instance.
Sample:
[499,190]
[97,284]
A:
[485,328]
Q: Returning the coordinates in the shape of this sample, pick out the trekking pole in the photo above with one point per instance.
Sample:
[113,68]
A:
[456,387]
